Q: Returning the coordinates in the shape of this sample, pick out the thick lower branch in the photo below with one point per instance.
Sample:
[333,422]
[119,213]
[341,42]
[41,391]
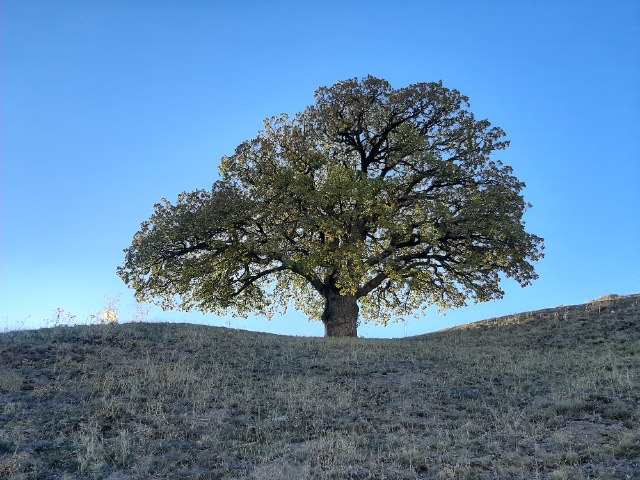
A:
[371,285]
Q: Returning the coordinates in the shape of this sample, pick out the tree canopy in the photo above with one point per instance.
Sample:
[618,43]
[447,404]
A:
[373,202]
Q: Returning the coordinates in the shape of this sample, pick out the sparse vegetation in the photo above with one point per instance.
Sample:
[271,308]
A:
[552,394]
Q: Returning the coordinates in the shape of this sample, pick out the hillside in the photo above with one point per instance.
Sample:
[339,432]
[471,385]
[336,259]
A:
[549,394]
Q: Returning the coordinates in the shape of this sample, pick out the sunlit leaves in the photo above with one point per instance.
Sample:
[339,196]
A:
[389,195]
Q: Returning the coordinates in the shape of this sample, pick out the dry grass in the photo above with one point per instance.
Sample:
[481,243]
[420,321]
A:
[551,395]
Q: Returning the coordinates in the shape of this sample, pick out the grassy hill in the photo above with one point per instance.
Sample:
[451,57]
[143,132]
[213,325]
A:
[548,394]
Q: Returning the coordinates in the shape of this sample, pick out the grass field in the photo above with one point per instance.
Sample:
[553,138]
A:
[553,394]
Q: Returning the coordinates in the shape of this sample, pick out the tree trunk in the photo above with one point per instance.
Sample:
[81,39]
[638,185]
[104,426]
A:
[340,315]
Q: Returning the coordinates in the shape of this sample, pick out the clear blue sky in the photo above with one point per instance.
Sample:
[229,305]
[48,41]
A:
[109,105]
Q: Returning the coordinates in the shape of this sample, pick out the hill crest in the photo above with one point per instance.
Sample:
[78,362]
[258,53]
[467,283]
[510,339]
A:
[607,303]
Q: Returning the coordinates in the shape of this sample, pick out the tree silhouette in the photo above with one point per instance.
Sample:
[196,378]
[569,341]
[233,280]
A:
[375,201]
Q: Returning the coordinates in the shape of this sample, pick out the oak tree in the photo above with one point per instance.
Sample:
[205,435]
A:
[375,201]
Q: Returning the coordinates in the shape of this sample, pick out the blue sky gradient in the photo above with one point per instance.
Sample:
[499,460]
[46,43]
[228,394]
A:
[109,106]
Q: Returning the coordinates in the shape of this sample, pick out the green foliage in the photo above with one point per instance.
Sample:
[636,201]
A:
[387,195]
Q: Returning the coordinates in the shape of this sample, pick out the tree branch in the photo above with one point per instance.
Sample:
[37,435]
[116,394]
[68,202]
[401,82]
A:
[247,282]
[371,285]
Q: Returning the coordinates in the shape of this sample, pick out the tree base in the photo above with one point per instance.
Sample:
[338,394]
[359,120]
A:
[340,315]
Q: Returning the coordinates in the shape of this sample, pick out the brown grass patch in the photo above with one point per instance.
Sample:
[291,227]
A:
[547,394]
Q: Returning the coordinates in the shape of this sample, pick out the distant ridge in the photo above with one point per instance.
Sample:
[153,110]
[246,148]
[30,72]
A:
[607,303]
